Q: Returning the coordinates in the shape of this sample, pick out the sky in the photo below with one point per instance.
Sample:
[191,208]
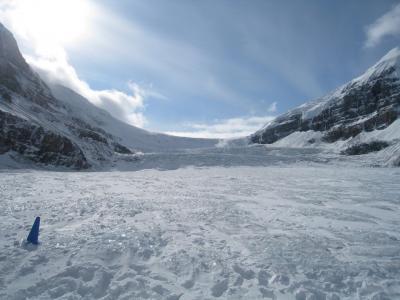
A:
[210,68]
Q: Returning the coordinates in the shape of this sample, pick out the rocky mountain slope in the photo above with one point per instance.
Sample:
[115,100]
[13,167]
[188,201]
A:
[364,107]
[53,125]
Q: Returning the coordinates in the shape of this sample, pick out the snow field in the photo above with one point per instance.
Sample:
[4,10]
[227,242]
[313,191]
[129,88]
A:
[288,232]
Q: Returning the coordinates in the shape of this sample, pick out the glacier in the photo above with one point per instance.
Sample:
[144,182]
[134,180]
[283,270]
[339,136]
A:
[291,230]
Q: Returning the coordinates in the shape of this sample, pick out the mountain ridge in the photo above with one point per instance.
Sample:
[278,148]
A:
[365,95]
[55,126]
[362,108]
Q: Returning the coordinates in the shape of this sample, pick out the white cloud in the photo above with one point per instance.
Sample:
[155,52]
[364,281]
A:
[386,25]
[227,128]
[49,58]
[128,108]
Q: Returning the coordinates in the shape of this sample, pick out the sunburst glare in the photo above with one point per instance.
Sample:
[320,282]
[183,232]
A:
[51,22]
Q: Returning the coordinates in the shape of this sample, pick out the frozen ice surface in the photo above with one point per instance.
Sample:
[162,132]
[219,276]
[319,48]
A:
[217,231]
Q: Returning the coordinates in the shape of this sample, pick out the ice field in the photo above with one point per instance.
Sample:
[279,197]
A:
[226,227]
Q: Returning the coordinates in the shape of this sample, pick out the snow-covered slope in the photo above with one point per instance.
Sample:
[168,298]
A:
[56,126]
[130,136]
[356,112]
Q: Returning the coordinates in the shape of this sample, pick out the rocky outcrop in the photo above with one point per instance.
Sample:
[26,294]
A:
[370,102]
[365,148]
[121,149]
[37,144]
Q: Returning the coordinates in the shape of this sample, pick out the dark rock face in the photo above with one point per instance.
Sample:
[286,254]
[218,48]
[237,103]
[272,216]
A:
[91,135]
[365,148]
[121,149]
[37,144]
[365,106]
[286,126]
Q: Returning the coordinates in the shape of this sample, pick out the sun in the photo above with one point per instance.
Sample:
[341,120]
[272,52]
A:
[52,22]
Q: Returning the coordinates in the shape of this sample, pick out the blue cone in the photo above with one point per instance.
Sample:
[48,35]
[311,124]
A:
[33,236]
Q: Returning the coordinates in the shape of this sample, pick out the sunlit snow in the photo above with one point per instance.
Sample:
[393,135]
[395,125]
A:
[237,227]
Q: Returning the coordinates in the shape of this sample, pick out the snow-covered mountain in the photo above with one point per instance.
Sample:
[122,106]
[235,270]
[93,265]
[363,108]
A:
[359,117]
[53,125]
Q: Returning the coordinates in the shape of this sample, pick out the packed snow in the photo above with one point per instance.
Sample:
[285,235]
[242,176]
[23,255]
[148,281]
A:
[239,223]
